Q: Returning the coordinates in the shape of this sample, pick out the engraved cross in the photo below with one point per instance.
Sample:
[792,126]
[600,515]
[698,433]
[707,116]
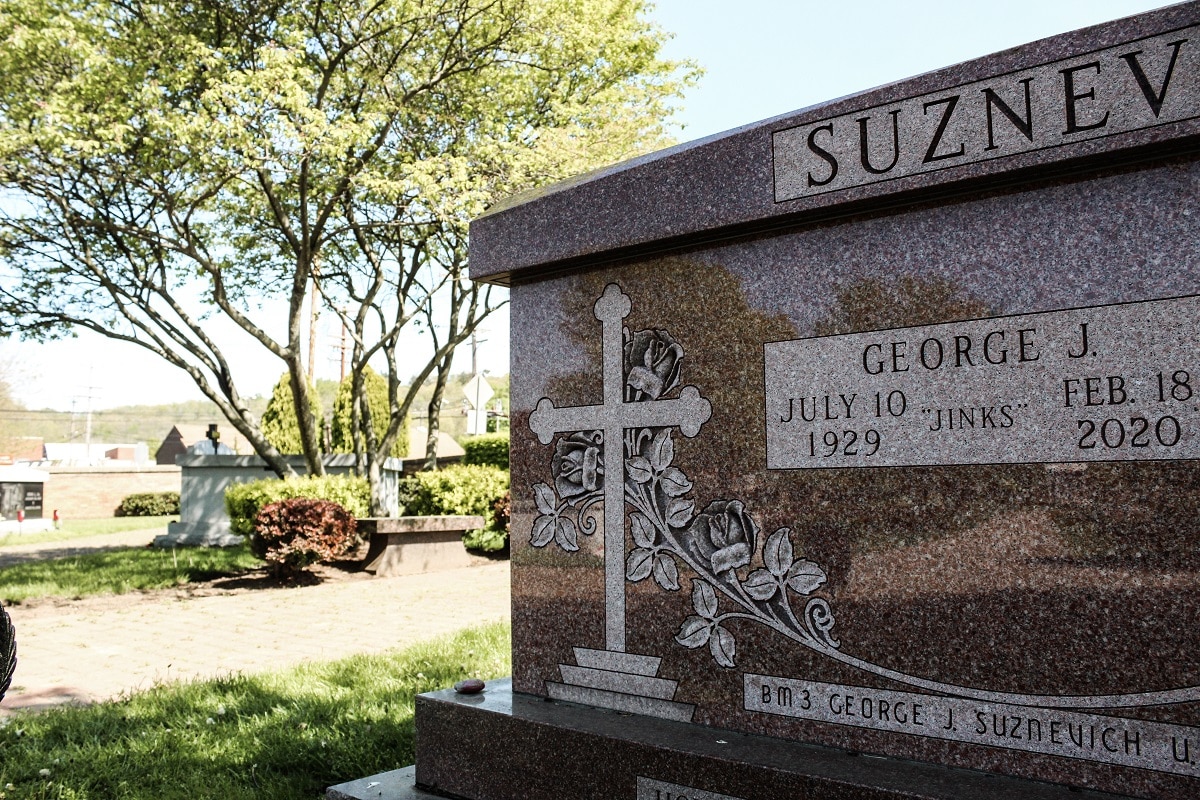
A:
[613,416]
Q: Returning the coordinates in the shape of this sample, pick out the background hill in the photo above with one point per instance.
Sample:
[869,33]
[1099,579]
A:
[151,423]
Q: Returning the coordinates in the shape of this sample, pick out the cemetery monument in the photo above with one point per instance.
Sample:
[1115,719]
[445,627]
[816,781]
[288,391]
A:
[854,452]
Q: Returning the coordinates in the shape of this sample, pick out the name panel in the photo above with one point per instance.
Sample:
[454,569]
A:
[1092,737]
[1104,383]
[1138,85]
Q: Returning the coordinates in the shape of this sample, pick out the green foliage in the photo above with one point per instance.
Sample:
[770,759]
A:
[465,489]
[494,537]
[243,501]
[167,163]
[490,449]
[121,571]
[375,388]
[291,535]
[283,735]
[149,504]
[279,422]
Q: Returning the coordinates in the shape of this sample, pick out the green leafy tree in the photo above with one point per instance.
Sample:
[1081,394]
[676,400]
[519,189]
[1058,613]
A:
[351,430]
[170,166]
[279,419]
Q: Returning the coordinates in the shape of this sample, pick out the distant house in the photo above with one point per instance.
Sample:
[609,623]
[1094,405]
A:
[22,449]
[183,437]
[80,454]
[418,435]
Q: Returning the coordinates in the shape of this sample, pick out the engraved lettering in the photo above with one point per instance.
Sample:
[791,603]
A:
[1073,97]
[931,153]
[1025,126]
[864,147]
[822,153]
[1083,342]
[1153,98]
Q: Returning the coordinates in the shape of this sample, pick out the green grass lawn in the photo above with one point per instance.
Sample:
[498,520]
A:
[280,735]
[120,571]
[75,529]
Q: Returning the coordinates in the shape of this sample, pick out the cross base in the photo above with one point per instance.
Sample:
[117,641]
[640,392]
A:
[620,681]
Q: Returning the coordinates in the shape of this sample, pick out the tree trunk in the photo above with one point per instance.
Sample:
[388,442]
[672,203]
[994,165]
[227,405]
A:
[379,505]
[435,410]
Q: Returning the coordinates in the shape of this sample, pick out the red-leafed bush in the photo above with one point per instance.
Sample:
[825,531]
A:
[296,533]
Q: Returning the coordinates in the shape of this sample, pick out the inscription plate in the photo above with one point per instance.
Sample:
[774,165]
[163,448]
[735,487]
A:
[1141,84]
[1093,737]
[1105,383]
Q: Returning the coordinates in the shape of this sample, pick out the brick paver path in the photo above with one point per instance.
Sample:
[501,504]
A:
[100,648]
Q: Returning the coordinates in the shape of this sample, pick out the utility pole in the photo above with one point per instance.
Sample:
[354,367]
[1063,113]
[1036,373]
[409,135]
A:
[342,374]
[480,425]
[312,331]
[475,344]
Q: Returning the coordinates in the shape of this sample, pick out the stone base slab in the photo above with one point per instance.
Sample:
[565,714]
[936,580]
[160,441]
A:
[504,746]
[410,545]
[399,784]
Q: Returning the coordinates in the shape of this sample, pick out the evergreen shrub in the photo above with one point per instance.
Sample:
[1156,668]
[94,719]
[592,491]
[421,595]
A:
[494,537]
[342,423]
[490,449]
[149,504]
[293,534]
[278,421]
[460,489]
[243,501]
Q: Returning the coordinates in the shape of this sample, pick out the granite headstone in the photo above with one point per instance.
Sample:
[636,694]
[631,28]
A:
[854,451]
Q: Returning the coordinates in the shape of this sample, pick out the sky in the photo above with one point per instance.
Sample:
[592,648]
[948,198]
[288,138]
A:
[762,58]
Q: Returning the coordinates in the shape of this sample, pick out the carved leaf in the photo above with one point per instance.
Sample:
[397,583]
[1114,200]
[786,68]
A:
[544,496]
[805,577]
[662,450]
[666,574]
[543,531]
[722,647]
[680,512]
[761,585]
[566,535]
[639,470]
[639,564]
[674,482]
[642,530]
[693,633]
[777,553]
[704,599]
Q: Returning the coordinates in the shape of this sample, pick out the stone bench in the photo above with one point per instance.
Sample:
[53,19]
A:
[408,545]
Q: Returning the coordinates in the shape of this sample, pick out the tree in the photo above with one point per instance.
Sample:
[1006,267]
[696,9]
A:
[278,421]
[345,428]
[168,164]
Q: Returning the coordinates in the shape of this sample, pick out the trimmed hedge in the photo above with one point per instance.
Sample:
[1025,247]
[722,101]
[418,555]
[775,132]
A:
[460,489]
[293,534]
[490,449]
[149,504]
[494,537]
[244,501]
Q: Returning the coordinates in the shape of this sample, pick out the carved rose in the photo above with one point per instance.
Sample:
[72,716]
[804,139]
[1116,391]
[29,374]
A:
[725,533]
[652,360]
[578,464]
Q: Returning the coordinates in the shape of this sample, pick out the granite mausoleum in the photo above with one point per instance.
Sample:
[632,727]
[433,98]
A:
[855,451]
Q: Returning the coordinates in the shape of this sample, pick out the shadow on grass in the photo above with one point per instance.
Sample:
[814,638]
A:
[120,571]
[281,735]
